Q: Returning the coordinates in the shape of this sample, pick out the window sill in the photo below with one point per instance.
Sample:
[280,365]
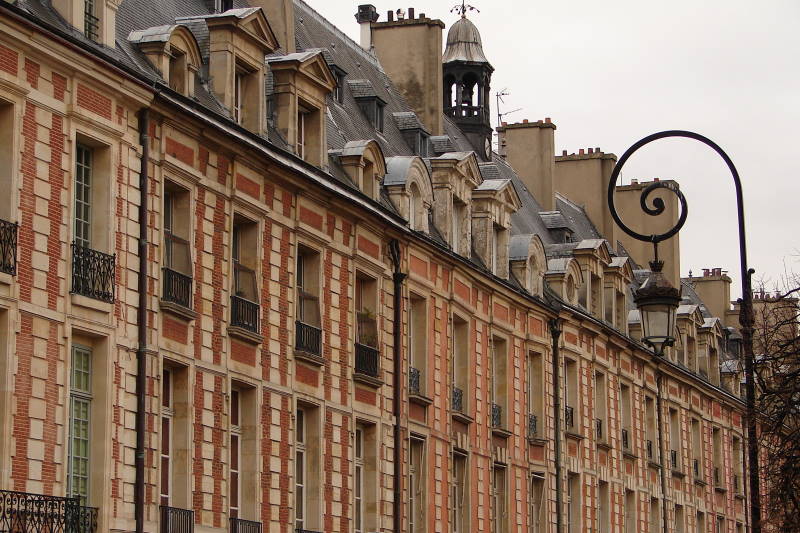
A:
[366,379]
[680,475]
[6,279]
[537,441]
[653,464]
[722,490]
[574,435]
[419,399]
[177,310]
[603,445]
[739,496]
[91,303]
[464,418]
[245,335]
[629,454]
[307,357]
[501,432]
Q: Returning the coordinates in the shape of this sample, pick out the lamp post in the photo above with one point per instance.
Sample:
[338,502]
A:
[657,300]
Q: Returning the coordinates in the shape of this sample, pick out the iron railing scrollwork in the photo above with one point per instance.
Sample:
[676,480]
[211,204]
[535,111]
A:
[244,526]
[497,416]
[414,381]
[367,359]
[22,512]
[308,338]
[174,520]
[244,314]
[8,247]
[93,273]
[569,417]
[177,288]
[458,400]
[533,427]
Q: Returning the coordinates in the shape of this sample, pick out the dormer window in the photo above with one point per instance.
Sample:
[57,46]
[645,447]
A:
[338,91]
[459,210]
[368,100]
[177,71]
[408,185]
[91,22]
[174,52]
[246,95]
[413,132]
[302,117]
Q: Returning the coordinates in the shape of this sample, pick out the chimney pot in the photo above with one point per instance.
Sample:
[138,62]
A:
[597,149]
[525,121]
[581,151]
[411,13]
[401,15]
[422,15]
[563,152]
[547,120]
[634,182]
[656,179]
[366,13]
[705,272]
[390,16]
[591,150]
[505,123]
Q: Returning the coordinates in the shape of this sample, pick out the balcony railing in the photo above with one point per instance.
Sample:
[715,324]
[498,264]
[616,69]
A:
[569,417]
[649,450]
[414,381]
[533,427]
[21,512]
[673,459]
[696,468]
[177,288]
[497,416]
[598,428]
[8,247]
[92,273]
[244,314]
[174,520]
[626,441]
[458,400]
[245,526]
[367,359]
[308,338]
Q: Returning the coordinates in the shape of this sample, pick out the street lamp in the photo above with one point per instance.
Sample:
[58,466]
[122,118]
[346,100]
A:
[657,301]
[657,304]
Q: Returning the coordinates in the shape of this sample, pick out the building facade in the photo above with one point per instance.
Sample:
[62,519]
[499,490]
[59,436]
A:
[259,277]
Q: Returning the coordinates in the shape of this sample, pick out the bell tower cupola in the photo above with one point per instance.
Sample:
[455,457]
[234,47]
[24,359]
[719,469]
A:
[467,80]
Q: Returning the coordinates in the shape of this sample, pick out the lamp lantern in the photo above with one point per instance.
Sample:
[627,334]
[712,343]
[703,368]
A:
[657,301]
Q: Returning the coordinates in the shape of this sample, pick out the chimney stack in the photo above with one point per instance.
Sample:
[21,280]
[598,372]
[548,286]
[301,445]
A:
[410,52]
[367,14]
[529,147]
[280,15]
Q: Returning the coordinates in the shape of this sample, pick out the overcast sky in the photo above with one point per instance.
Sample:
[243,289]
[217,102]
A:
[610,73]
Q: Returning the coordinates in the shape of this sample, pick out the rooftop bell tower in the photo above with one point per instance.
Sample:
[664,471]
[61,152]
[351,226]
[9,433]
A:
[467,82]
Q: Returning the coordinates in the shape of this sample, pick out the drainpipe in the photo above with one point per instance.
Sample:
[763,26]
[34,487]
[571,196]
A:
[141,352]
[398,278]
[660,447]
[555,334]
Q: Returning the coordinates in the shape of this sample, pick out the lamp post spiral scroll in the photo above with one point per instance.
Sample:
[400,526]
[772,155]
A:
[657,300]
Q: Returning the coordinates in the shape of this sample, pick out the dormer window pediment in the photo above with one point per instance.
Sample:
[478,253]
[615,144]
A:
[454,176]
[493,203]
[174,52]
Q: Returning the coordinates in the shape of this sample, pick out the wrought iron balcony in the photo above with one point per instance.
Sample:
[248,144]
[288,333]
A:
[696,468]
[22,512]
[92,273]
[626,441]
[458,400]
[367,359]
[244,314]
[673,459]
[245,526]
[174,520]
[649,447]
[533,427]
[8,247]
[308,338]
[569,417]
[177,288]
[497,416]
[598,428]
[414,381]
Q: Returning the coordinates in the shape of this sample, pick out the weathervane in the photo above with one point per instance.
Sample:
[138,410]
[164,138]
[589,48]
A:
[463,8]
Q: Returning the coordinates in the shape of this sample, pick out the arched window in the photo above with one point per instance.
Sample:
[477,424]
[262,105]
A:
[415,207]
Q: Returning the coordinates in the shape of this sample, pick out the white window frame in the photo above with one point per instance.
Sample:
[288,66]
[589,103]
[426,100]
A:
[168,416]
[301,465]
[83,397]
[84,166]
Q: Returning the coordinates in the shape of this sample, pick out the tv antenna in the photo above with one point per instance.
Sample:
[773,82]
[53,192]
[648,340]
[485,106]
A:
[500,94]
[463,8]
